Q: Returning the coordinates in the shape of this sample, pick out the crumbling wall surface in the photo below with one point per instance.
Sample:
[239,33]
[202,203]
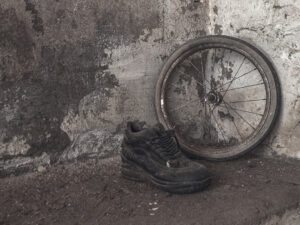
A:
[274,26]
[73,72]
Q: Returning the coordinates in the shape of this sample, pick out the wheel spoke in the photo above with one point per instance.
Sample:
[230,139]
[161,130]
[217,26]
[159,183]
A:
[212,113]
[172,85]
[241,110]
[253,100]
[238,77]
[185,74]
[235,124]
[211,110]
[181,99]
[202,68]
[213,59]
[220,68]
[213,62]
[178,88]
[234,77]
[204,77]
[252,85]
[240,115]
[190,62]
[205,108]
[227,67]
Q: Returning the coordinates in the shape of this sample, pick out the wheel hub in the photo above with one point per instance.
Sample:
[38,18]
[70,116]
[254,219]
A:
[213,97]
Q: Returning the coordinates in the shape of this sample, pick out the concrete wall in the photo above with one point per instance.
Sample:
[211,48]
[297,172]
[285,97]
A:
[73,72]
[274,26]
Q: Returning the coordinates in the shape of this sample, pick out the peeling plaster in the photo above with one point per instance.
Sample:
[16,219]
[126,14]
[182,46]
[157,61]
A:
[16,146]
[22,164]
[93,144]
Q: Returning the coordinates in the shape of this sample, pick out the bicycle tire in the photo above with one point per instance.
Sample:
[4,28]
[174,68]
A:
[264,67]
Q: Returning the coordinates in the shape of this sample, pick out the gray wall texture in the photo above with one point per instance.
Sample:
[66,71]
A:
[274,25]
[72,72]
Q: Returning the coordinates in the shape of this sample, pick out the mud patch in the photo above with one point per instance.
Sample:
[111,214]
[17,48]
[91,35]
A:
[129,23]
[38,111]
[93,144]
[40,101]
[223,115]
[16,47]
[215,9]
[106,82]
[37,21]
[191,5]
[218,29]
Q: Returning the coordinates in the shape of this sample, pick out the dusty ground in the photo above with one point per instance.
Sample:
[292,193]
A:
[245,191]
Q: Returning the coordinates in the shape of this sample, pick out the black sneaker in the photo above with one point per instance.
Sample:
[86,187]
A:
[153,155]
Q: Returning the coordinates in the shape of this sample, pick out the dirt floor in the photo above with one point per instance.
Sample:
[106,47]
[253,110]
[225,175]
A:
[245,191]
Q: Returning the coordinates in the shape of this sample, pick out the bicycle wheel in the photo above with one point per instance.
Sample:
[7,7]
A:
[220,94]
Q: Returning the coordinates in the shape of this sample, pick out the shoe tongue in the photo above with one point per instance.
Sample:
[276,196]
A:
[154,131]
[137,125]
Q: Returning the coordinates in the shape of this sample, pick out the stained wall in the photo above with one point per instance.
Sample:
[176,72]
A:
[73,72]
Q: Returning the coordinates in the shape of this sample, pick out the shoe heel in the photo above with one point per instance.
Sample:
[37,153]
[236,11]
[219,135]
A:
[130,171]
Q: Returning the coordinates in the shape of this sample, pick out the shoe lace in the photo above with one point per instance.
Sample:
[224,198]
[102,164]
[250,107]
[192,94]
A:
[166,144]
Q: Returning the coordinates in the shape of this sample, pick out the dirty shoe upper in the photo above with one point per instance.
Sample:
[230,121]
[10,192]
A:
[153,155]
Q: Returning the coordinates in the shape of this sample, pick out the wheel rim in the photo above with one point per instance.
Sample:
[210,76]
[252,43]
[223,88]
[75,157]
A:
[217,98]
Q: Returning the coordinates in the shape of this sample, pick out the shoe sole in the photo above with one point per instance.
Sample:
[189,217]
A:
[131,171]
